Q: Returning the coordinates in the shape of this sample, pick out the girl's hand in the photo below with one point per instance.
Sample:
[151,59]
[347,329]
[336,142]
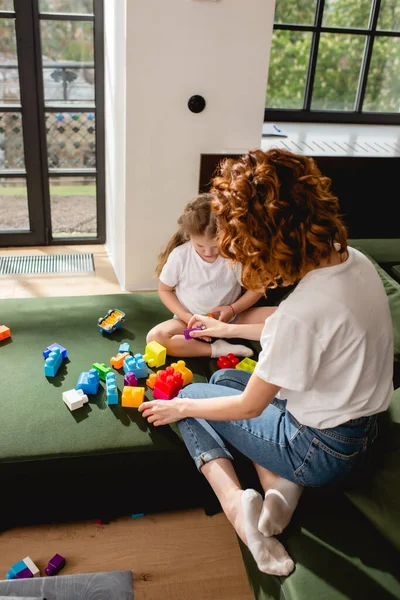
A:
[226,313]
[161,412]
[212,327]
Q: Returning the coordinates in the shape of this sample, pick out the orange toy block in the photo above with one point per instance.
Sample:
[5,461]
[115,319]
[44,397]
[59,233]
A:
[132,397]
[182,368]
[4,332]
[118,361]
[151,380]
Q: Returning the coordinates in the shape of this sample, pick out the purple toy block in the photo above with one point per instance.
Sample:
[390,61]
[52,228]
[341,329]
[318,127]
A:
[187,335]
[130,380]
[55,565]
[25,574]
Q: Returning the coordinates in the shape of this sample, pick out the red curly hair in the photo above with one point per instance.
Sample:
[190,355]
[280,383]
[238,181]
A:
[276,216]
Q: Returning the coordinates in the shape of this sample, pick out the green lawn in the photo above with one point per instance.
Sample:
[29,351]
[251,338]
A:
[55,190]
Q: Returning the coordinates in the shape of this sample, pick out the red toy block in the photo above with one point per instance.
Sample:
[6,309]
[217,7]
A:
[167,384]
[227,362]
[4,332]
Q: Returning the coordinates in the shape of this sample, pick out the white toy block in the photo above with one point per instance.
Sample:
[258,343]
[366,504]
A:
[74,399]
[31,566]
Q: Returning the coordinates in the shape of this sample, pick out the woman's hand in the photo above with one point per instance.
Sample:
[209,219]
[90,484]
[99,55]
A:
[212,328]
[162,412]
[226,313]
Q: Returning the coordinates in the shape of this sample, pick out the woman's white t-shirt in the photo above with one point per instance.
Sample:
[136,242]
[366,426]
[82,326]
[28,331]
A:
[329,345]
[201,286]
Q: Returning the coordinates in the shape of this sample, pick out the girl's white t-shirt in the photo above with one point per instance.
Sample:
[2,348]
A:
[329,345]
[201,286]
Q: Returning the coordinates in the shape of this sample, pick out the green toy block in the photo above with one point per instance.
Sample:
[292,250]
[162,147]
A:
[102,370]
[247,364]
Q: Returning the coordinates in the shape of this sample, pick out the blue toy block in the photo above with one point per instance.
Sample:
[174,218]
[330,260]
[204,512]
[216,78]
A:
[125,347]
[137,365]
[88,382]
[52,363]
[111,388]
[64,351]
[15,569]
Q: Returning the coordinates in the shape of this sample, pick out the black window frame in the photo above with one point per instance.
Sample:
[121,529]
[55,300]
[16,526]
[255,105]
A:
[33,109]
[357,116]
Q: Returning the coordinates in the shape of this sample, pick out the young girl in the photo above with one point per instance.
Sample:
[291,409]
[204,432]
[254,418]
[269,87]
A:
[195,279]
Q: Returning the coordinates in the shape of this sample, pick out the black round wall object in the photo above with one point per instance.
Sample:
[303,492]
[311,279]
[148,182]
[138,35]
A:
[196,104]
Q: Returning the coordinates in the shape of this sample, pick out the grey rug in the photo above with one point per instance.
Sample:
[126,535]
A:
[113,585]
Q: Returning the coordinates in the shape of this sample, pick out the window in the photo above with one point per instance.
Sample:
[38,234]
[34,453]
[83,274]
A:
[335,61]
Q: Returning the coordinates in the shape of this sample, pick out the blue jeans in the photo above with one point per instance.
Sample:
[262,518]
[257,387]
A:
[276,440]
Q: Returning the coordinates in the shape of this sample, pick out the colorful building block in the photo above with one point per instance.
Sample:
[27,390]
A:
[118,361]
[168,383]
[74,399]
[137,515]
[64,351]
[130,379]
[137,365]
[31,566]
[112,321]
[151,380]
[186,373]
[4,332]
[53,363]
[227,362]
[88,382]
[25,574]
[186,332]
[55,565]
[132,397]
[111,389]
[124,347]
[102,370]
[15,569]
[247,364]
[155,355]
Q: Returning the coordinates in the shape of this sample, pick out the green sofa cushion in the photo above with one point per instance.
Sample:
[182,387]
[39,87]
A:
[392,289]
[378,496]
[35,423]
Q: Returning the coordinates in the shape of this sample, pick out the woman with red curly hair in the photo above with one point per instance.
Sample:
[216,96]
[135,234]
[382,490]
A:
[307,415]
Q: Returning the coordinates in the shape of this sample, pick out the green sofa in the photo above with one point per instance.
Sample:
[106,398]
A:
[346,542]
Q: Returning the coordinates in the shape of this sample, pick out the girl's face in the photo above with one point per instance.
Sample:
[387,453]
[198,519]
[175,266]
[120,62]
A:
[205,247]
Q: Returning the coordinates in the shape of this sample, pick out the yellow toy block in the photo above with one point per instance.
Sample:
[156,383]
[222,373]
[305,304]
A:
[132,397]
[247,364]
[155,355]
[187,374]
[151,380]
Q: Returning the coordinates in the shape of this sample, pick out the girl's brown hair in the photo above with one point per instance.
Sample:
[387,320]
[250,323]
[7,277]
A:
[197,219]
[276,216]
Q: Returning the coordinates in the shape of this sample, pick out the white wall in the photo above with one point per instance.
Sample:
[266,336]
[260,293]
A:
[174,49]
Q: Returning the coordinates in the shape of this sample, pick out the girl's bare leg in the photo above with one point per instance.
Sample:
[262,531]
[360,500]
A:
[255,315]
[281,498]
[243,508]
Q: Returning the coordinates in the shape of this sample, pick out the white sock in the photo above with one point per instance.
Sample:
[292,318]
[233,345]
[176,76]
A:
[269,554]
[278,507]
[222,348]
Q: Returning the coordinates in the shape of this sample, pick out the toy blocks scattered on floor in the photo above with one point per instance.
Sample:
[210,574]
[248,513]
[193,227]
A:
[247,364]
[102,370]
[132,397]
[4,332]
[55,565]
[111,389]
[53,363]
[227,362]
[187,374]
[118,361]
[88,382]
[137,365]
[64,351]
[74,399]
[130,379]
[23,569]
[168,383]
[155,355]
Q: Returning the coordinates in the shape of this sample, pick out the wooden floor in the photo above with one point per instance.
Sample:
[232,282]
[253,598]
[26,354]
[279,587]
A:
[183,555]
